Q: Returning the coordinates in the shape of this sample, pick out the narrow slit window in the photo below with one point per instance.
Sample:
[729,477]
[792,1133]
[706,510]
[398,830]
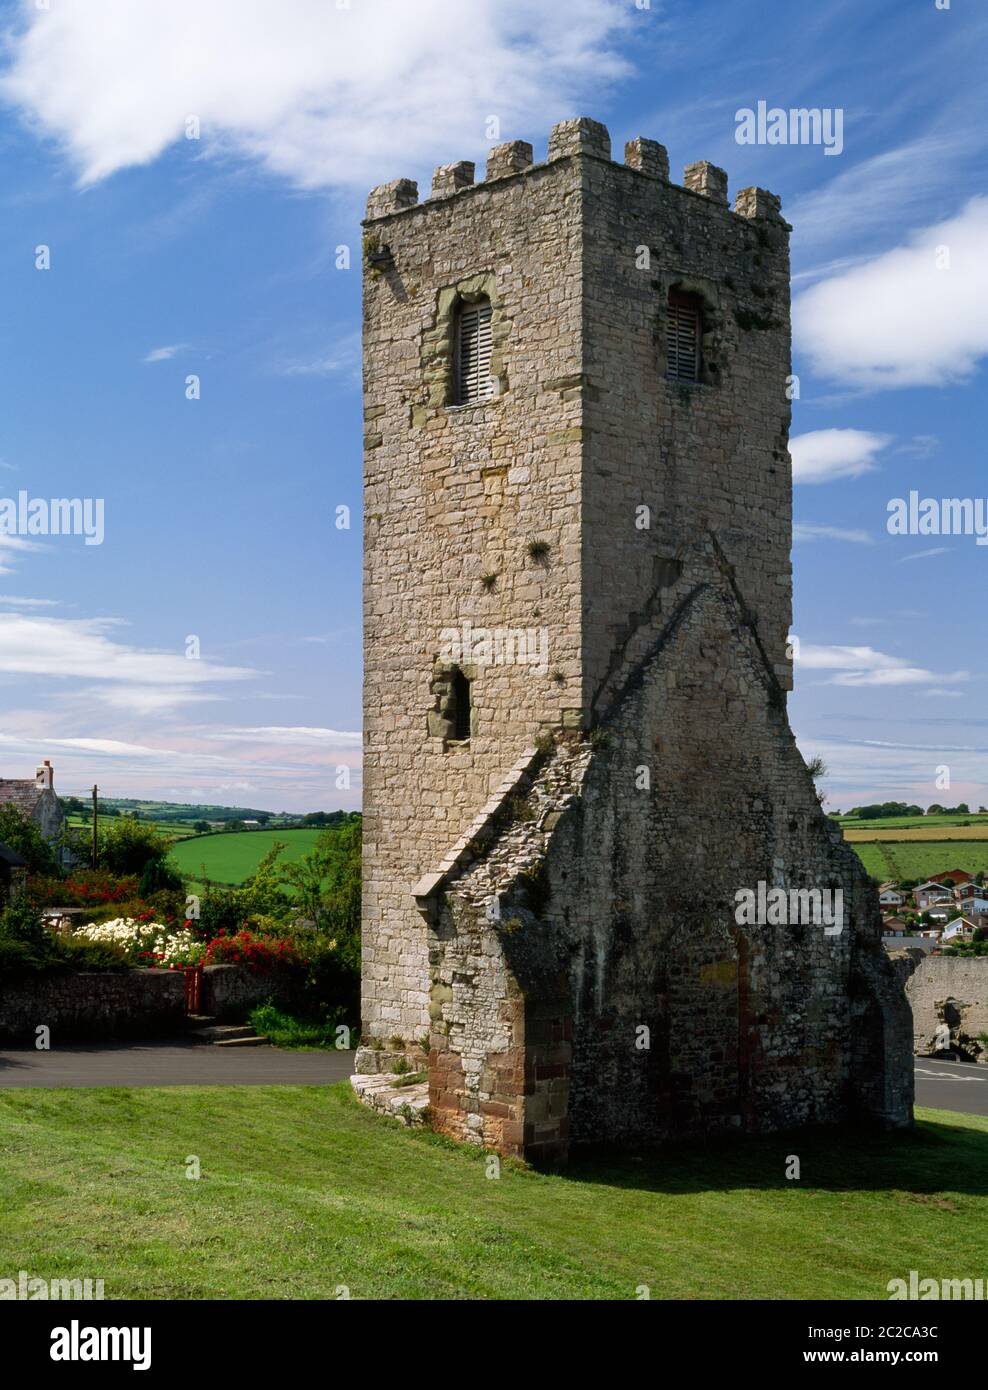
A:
[461,706]
[473,353]
[684,327]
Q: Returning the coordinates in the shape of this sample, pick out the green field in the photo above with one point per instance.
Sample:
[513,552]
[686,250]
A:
[231,857]
[302,1190]
[914,847]
[943,823]
[168,830]
[919,859]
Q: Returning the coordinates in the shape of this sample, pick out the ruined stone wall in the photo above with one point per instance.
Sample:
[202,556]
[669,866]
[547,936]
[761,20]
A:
[631,1000]
[951,991]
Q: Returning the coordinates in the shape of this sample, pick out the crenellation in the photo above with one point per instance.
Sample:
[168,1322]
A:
[450,178]
[514,157]
[391,197]
[758,202]
[707,180]
[579,136]
[648,157]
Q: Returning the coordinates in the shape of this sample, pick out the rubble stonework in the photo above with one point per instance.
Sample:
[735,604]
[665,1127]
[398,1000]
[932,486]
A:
[533,901]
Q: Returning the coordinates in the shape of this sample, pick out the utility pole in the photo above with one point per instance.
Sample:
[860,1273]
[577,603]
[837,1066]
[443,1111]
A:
[95,812]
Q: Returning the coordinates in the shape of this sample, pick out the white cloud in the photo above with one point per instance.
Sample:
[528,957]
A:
[164,354]
[925,554]
[11,546]
[899,319]
[825,455]
[16,601]
[857,666]
[319,94]
[83,647]
[296,736]
[805,531]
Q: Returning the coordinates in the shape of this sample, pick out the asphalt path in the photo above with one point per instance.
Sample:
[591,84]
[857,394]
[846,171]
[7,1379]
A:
[940,1085]
[171,1064]
[952,1085]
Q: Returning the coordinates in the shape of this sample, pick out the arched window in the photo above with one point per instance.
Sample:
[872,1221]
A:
[684,329]
[472,353]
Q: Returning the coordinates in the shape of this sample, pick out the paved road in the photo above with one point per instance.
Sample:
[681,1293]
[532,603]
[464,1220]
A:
[171,1064]
[941,1085]
[952,1085]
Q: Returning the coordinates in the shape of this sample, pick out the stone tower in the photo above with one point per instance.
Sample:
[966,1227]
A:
[577,602]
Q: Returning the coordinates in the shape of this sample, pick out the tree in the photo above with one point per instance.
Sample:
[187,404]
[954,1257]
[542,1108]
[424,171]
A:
[25,838]
[235,825]
[202,827]
[326,883]
[128,845]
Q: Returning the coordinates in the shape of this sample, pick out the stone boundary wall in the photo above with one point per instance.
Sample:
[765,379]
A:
[229,992]
[951,990]
[117,1004]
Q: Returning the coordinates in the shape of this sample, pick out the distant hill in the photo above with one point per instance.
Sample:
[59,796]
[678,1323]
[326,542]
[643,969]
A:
[166,811]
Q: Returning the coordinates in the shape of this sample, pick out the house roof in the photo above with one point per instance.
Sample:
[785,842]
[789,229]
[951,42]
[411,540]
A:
[11,857]
[22,792]
[931,883]
[955,875]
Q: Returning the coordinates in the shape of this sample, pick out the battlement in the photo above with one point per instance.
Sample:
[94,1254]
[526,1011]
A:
[581,137]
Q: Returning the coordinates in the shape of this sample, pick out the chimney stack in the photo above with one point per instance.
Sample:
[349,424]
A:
[45,776]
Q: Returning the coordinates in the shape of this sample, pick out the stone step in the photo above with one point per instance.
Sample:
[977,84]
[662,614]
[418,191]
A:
[251,1041]
[388,1093]
[222,1032]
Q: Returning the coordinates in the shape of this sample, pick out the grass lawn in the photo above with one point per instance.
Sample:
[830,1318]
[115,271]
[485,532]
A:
[303,1190]
[232,856]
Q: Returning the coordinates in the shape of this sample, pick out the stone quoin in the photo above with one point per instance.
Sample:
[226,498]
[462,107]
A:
[576,421]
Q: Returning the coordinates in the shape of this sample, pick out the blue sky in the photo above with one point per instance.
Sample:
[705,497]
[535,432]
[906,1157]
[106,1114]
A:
[216,257]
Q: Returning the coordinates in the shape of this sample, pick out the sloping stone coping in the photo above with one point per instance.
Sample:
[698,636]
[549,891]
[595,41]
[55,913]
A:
[429,884]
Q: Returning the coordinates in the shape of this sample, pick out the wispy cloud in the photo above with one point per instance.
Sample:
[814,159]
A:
[804,531]
[822,456]
[164,354]
[86,648]
[341,358]
[925,554]
[857,666]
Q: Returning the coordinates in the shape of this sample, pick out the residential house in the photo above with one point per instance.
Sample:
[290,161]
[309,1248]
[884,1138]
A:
[926,895]
[960,929]
[36,800]
[890,897]
[973,899]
